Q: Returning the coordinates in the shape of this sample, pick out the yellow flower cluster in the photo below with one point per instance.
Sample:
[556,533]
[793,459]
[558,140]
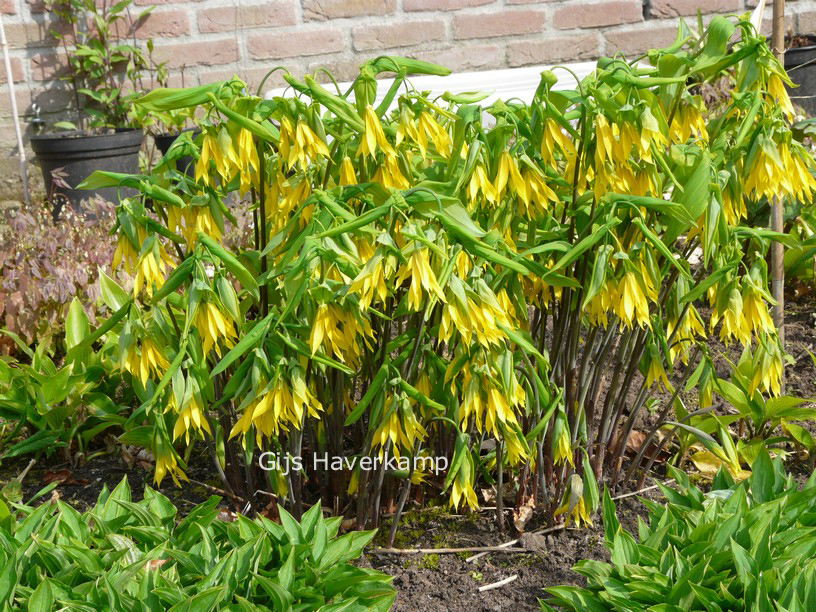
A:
[299,144]
[689,329]
[234,154]
[471,314]
[614,169]
[574,504]
[420,132]
[463,485]
[213,325]
[743,313]
[688,122]
[191,417]
[632,296]
[400,426]
[486,402]
[778,171]
[388,173]
[148,360]
[166,463]
[337,330]
[189,221]
[371,281]
[555,142]
[125,252]
[276,407]
[418,268]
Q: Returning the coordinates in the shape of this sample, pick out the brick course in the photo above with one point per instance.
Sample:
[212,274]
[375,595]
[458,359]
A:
[404,34]
[216,39]
[500,23]
[597,14]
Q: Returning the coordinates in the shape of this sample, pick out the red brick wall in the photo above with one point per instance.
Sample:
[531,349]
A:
[207,40]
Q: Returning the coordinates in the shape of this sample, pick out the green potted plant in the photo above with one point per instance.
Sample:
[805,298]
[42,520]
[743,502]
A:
[106,72]
[166,128]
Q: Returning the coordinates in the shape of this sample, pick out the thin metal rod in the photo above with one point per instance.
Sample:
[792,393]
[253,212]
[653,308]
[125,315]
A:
[13,97]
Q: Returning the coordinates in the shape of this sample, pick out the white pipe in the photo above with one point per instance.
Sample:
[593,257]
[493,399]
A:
[10,81]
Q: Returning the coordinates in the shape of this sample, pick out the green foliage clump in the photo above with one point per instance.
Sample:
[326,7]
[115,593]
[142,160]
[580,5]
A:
[746,546]
[128,556]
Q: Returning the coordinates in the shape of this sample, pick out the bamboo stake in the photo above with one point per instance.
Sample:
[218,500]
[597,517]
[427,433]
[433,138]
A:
[777,250]
[13,98]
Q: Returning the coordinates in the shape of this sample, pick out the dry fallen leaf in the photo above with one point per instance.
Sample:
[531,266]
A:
[64,476]
[271,511]
[523,514]
[127,456]
[155,564]
[228,516]
[635,441]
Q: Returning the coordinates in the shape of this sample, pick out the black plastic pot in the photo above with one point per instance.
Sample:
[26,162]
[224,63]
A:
[184,164]
[78,155]
[800,63]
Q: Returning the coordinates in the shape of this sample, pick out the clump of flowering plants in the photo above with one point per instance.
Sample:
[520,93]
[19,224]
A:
[503,286]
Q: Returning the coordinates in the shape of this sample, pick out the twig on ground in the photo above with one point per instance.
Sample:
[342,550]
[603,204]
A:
[633,493]
[446,551]
[25,471]
[496,585]
[218,491]
[511,542]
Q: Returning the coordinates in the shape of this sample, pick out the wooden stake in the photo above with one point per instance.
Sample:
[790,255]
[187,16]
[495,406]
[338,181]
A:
[15,115]
[777,250]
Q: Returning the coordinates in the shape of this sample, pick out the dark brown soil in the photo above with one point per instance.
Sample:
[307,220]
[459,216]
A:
[448,582]
[81,484]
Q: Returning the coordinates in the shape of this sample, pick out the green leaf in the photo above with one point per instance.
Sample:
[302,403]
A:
[42,599]
[290,525]
[174,281]
[77,329]
[763,477]
[101,330]
[247,342]
[585,244]
[8,581]
[745,564]
[374,388]
[610,519]
[232,264]
[101,179]
[39,441]
[168,98]
[112,294]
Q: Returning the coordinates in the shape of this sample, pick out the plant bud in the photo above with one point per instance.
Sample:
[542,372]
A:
[365,89]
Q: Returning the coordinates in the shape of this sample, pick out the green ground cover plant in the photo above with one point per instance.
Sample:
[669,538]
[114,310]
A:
[745,546]
[133,556]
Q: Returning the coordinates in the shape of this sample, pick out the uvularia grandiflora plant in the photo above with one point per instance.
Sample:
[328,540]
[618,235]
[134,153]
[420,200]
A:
[506,286]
